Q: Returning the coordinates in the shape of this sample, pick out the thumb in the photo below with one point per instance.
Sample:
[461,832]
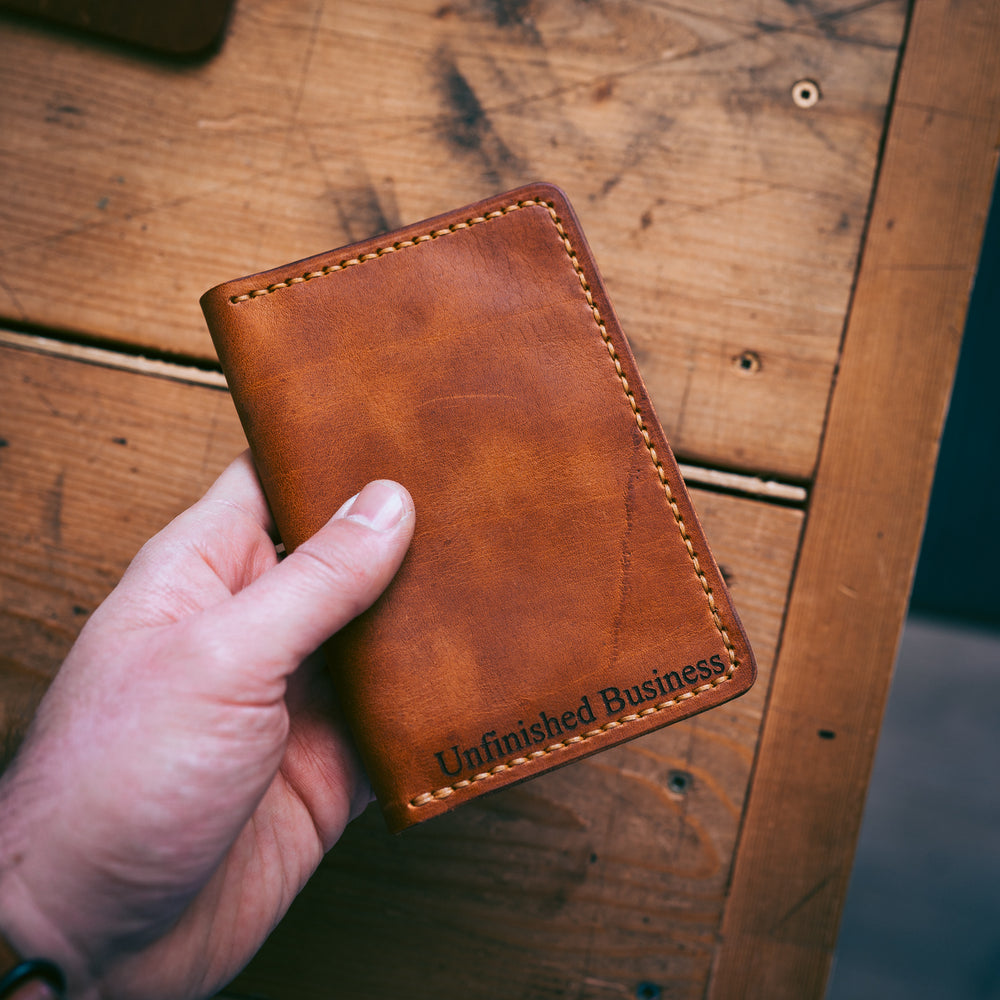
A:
[329,579]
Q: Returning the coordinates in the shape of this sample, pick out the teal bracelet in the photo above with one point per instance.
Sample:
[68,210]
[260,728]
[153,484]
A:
[33,970]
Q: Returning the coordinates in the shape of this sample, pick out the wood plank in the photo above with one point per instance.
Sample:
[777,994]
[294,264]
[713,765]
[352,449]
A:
[207,374]
[718,479]
[92,462]
[726,217]
[583,883]
[867,509]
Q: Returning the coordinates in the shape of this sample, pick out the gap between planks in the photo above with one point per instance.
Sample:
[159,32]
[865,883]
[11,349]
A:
[178,371]
[706,477]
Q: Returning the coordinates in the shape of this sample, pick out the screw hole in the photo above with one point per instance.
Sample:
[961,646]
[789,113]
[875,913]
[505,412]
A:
[805,93]
[748,362]
[648,991]
[679,782]
[827,734]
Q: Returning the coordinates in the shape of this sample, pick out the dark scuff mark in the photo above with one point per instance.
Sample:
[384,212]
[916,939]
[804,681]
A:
[468,126]
[514,15]
[830,145]
[610,184]
[650,138]
[647,139]
[470,123]
[363,214]
[52,509]
[381,223]
[826,23]
[603,91]
[64,114]
[801,903]
[508,12]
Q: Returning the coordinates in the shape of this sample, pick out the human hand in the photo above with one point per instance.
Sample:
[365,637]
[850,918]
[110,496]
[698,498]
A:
[185,773]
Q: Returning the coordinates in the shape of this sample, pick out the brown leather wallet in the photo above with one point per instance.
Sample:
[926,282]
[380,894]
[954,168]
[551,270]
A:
[559,596]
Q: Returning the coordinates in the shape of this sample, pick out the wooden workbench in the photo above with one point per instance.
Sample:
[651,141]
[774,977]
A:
[787,202]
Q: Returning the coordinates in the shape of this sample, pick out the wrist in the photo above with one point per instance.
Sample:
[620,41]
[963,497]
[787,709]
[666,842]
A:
[28,979]
[28,939]
[34,960]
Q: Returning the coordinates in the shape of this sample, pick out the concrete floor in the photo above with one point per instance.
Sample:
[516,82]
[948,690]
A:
[922,917]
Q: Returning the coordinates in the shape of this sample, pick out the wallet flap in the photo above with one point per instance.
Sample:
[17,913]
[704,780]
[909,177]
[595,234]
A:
[559,595]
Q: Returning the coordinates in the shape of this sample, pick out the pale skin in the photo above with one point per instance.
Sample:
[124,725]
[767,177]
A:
[186,771]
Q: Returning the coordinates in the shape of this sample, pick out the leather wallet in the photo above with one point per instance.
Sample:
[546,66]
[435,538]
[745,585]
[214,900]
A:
[173,28]
[559,596]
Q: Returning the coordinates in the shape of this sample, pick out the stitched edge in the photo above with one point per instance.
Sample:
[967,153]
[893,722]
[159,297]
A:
[382,251]
[442,793]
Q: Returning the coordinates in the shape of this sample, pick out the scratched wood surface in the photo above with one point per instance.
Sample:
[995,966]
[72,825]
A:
[596,878]
[728,220]
[726,217]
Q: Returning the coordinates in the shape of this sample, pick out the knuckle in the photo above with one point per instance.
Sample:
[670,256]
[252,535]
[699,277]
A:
[347,570]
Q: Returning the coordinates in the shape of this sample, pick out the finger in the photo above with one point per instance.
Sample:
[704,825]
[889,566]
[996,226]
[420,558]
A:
[238,488]
[328,580]
[233,508]
[226,536]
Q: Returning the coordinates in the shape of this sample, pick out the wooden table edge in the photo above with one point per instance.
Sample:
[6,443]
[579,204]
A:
[866,513]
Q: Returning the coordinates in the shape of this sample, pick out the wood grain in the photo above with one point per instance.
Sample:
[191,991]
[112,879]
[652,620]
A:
[583,883]
[586,883]
[92,462]
[867,509]
[726,218]
[728,221]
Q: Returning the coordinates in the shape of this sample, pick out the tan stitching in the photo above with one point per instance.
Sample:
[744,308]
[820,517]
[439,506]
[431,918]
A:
[443,793]
[382,251]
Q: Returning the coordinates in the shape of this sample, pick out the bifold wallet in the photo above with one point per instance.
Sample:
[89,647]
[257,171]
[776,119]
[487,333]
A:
[559,596]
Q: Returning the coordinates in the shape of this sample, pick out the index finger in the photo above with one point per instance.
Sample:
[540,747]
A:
[238,487]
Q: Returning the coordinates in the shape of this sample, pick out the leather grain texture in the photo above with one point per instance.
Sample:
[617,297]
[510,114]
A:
[559,596]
